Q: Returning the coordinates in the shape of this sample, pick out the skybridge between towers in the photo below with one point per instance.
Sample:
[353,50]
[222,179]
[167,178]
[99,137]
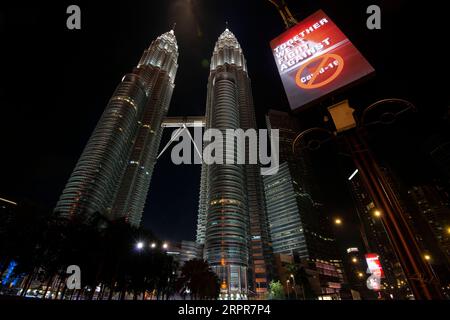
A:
[182,124]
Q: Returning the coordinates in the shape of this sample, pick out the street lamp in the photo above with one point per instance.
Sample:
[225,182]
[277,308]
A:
[427,257]
[338,221]
[140,245]
[287,287]
[165,246]
[353,175]
[360,275]
[294,286]
[354,260]
[374,179]
[377,213]
[153,245]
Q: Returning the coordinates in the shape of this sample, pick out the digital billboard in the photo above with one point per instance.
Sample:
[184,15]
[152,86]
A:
[315,58]
[376,271]
[374,265]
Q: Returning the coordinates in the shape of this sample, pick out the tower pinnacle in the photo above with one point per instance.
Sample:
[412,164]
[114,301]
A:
[228,50]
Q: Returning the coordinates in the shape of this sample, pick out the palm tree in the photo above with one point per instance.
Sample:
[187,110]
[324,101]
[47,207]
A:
[301,279]
[198,278]
[20,240]
[44,245]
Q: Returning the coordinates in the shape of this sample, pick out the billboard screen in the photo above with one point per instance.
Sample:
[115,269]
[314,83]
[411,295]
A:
[374,265]
[315,58]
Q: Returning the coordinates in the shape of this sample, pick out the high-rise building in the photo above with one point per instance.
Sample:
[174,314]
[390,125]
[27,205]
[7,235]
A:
[7,211]
[433,204]
[430,219]
[112,176]
[185,251]
[283,213]
[232,222]
[298,224]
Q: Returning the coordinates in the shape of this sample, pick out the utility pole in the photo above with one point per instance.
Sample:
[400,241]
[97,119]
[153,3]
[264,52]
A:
[421,278]
[423,282]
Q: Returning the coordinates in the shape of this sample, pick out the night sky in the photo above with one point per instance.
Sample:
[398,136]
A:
[56,83]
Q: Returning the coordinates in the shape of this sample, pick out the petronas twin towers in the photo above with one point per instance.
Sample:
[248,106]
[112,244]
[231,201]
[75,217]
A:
[113,174]
[232,222]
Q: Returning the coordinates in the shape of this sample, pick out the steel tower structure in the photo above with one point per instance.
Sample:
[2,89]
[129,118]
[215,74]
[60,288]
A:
[113,174]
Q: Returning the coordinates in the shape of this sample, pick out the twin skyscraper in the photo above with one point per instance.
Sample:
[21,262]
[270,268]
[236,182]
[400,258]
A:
[113,175]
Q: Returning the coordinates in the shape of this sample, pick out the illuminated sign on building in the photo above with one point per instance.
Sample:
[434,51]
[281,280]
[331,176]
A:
[350,250]
[376,271]
[374,265]
[315,58]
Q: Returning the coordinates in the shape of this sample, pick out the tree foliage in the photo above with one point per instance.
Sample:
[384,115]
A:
[43,246]
[276,291]
[199,280]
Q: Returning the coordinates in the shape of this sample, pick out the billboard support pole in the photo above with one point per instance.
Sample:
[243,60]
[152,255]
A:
[421,278]
[422,281]
[288,18]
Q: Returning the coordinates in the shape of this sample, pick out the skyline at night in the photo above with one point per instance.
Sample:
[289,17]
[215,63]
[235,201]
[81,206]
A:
[119,46]
[357,208]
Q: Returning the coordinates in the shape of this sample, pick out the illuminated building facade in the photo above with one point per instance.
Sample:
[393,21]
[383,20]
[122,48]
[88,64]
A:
[283,213]
[185,251]
[297,224]
[232,222]
[433,204]
[112,176]
[430,219]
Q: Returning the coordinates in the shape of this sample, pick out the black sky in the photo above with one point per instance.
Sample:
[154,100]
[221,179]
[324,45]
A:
[55,83]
